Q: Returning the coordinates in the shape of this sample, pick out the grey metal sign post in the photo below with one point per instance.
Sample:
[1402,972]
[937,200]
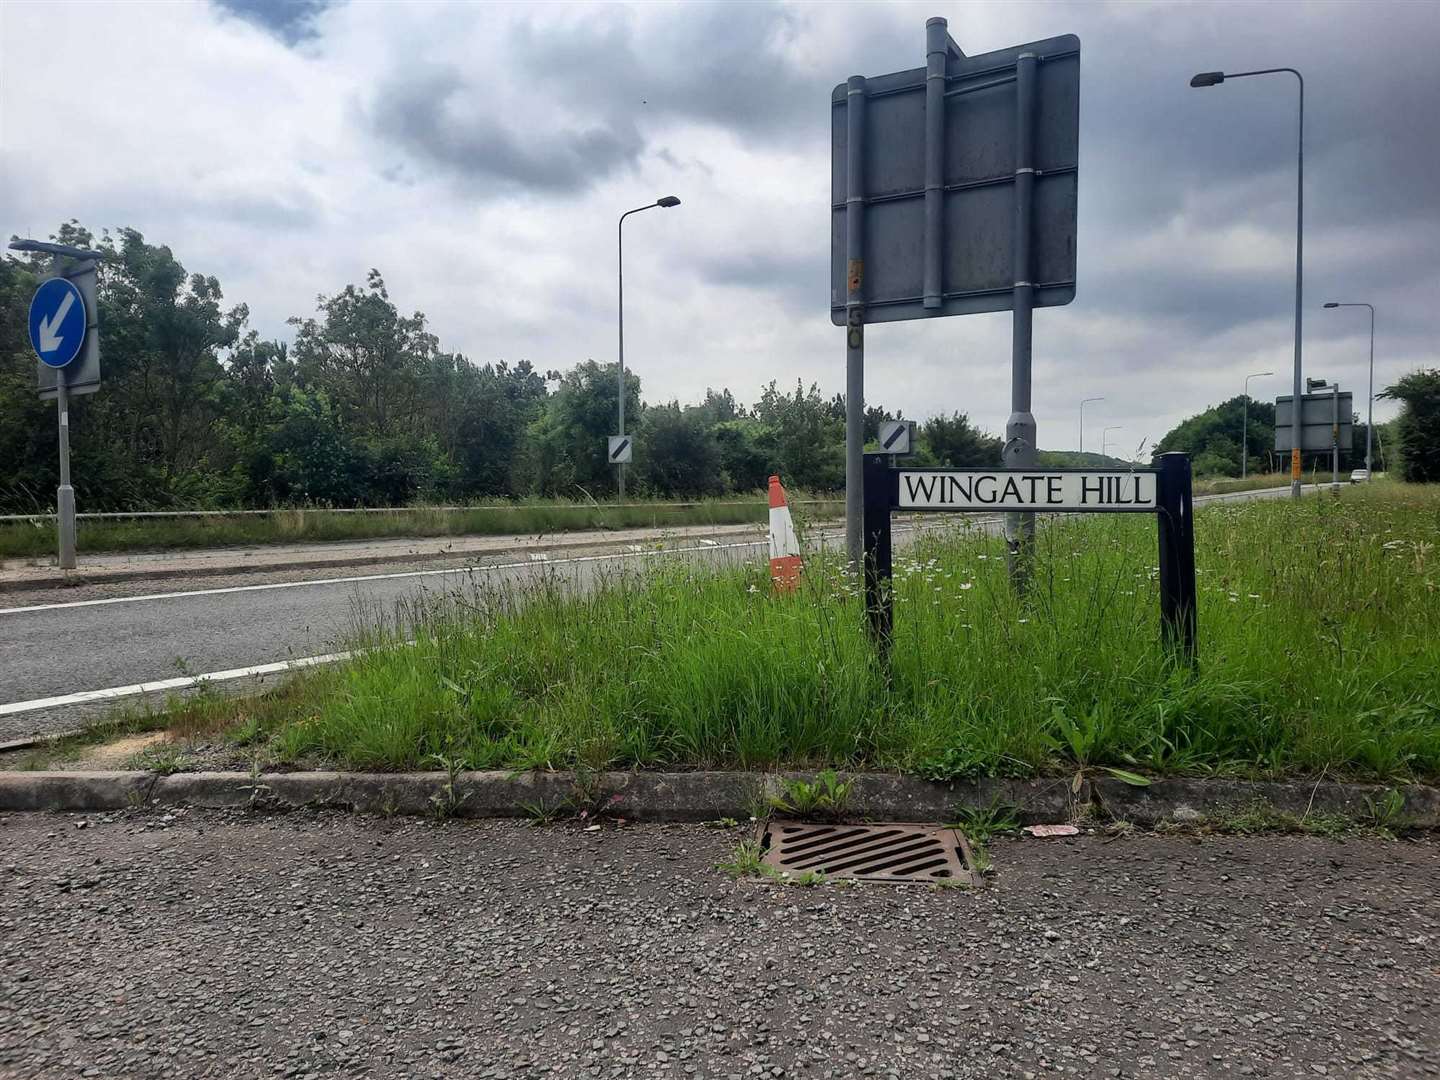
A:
[953,192]
[65,333]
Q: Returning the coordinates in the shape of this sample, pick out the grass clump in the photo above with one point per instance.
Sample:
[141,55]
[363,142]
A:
[824,799]
[1319,628]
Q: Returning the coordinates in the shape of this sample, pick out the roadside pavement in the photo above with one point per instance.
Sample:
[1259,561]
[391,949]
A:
[190,943]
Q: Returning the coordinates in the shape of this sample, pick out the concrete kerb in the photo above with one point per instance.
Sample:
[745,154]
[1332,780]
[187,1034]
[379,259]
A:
[702,796]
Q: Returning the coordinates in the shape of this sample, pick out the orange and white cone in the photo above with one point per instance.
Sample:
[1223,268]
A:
[785,562]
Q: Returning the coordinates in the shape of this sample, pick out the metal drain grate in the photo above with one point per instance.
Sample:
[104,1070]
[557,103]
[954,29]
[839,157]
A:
[891,852]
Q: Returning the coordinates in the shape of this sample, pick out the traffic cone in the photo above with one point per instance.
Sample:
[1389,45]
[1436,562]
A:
[785,559]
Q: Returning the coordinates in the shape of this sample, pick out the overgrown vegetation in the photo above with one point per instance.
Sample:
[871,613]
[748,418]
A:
[367,407]
[1319,644]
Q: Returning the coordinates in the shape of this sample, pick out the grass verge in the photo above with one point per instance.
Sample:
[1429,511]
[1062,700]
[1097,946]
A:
[36,537]
[1319,647]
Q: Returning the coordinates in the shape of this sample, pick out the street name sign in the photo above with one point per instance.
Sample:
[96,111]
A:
[57,322]
[1057,491]
[620,449]
[1164,491]
[897,436]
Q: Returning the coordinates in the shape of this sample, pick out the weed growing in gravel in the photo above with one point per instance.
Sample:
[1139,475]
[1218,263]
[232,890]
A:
[164,760]
[1319,642]
[981,823]
[746,861]
[1261,817]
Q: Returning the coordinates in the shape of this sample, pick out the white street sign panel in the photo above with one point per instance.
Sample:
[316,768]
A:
[1023,490]
[621,447]
[896,436]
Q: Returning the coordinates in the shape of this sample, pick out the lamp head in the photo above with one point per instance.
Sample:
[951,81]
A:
[1332,303]
[667,201]
[1208,78]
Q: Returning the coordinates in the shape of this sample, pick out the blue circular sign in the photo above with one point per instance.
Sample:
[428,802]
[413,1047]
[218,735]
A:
[57,322]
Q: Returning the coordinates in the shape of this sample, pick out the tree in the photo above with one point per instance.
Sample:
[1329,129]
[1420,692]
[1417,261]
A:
[366,356]
[954,442]
[566,444]
[678,453]
[1418,426]
[1213,438]
[803,440]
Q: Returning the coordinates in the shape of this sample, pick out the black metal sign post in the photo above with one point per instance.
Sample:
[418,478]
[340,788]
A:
[1163,491]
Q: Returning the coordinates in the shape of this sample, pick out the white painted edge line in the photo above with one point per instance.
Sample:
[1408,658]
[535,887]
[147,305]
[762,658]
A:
[183,683]
[482,568]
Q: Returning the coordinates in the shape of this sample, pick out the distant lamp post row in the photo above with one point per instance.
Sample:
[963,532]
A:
[1083,403]
[1370,405]
[1105,438]
[667,202]
[1215,78]
[1245,423]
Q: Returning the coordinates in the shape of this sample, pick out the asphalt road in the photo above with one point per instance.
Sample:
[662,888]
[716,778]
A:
[57,644]
[201,944]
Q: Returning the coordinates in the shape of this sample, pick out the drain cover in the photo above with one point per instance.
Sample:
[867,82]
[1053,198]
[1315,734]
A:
[869,852]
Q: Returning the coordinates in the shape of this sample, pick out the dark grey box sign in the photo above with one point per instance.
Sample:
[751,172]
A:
[1317,421]
[975,232]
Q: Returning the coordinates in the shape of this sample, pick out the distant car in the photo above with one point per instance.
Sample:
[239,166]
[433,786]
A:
[1360,476]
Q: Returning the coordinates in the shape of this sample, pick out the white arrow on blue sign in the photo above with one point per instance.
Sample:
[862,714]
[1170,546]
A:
[57,322]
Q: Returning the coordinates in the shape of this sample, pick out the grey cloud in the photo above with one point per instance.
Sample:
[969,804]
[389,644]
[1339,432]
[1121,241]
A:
[800,277]
[432,114]
[292,21]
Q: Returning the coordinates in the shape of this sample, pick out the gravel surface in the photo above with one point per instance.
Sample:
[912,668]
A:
[203,944]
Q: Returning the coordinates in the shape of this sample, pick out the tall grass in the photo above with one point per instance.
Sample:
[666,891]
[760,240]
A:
[1319,653]
[36,537]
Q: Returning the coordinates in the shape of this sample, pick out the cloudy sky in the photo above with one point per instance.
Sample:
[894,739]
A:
[479,154]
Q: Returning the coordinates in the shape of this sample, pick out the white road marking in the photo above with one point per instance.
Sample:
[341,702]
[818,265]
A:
[184,683]
[480,568]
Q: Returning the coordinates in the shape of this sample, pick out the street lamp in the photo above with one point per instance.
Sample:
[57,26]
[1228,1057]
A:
[666,201]
[1083,403]
[1215,78]
[1105,438]
[1370,407]
[1245,423]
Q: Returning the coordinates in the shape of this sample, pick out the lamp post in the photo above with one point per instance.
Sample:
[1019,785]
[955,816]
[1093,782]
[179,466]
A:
[1105,438]
[1083,403]
[666,201]
[1214,78]
[1370,404]
[1245,423]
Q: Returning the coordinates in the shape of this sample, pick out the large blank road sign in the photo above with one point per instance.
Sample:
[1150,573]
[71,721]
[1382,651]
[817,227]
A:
[977,227]
[1317,419]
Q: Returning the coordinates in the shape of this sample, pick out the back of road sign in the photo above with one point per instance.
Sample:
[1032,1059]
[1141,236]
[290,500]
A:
[977,218]
[1317,422]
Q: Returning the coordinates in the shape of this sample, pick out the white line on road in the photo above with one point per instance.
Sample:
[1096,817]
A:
[183,683]
[478,568]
